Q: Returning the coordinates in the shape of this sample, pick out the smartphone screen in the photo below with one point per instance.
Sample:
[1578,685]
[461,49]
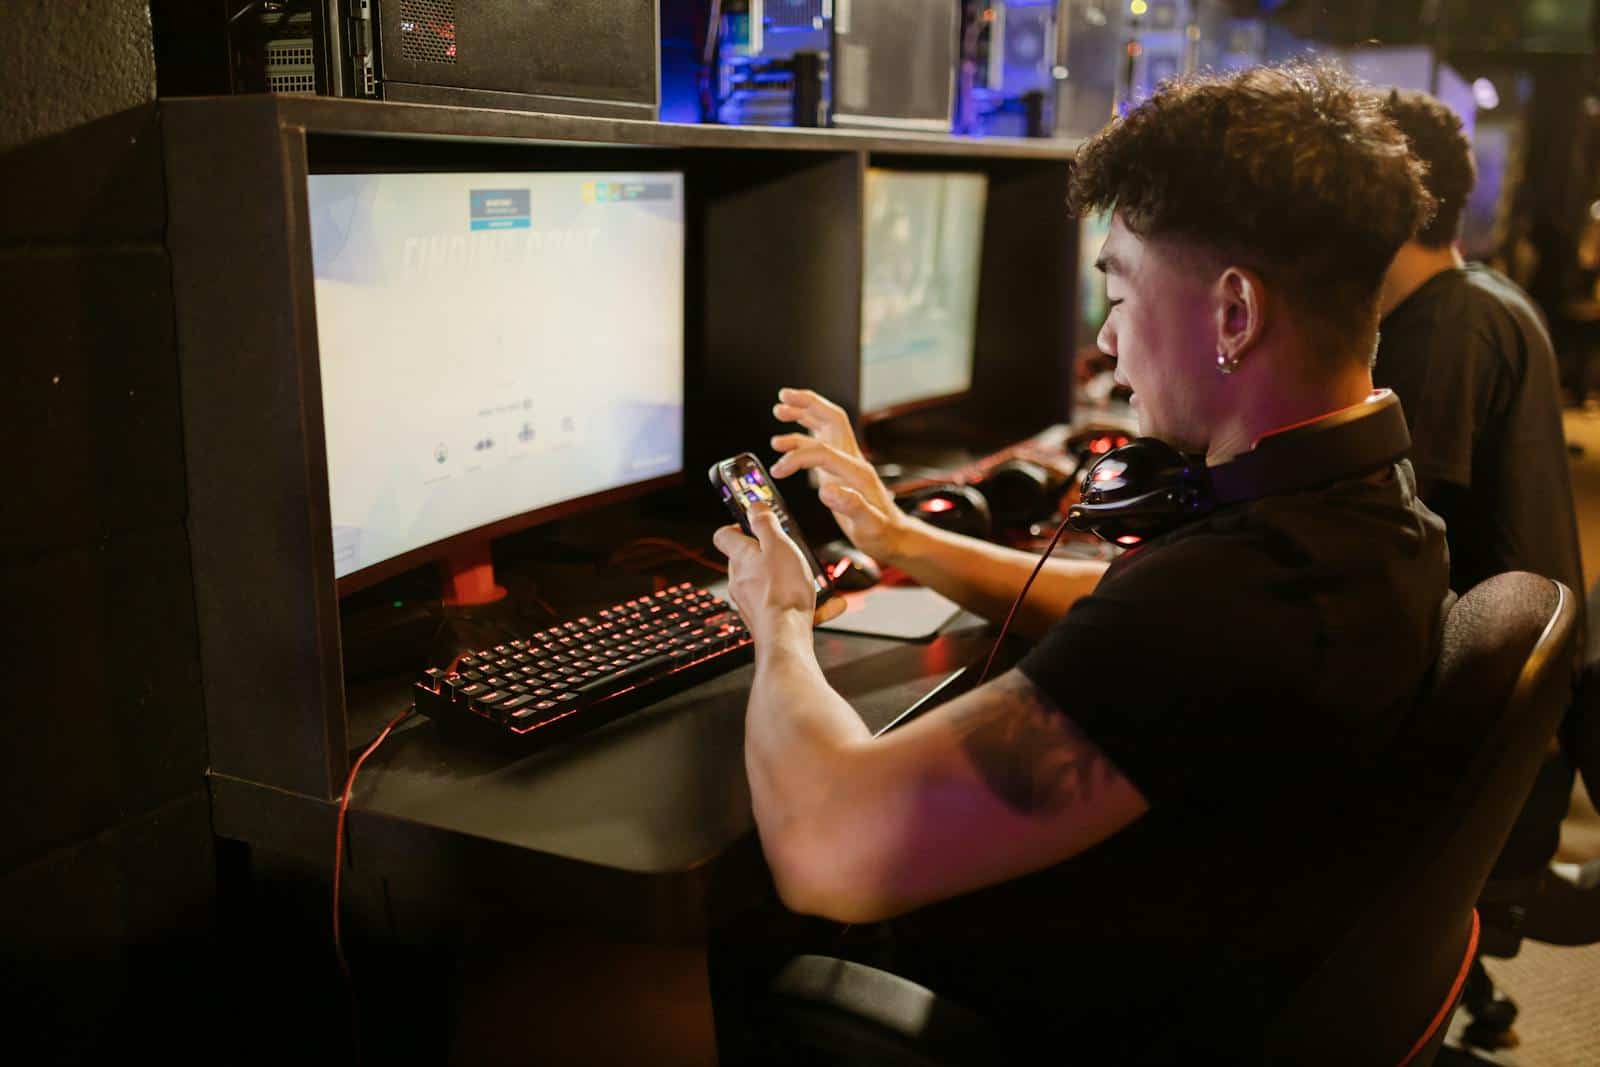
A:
[742,481]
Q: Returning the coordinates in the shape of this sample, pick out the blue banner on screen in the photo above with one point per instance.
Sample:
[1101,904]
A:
[501,209]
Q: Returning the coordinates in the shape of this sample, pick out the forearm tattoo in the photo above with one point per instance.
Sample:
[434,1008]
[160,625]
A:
[1029,754]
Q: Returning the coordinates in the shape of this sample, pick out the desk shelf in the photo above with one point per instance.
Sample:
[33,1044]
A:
[774,242]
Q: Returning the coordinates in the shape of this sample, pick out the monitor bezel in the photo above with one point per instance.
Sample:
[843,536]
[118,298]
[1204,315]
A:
[438,552]
[441,550]
[913,407]
[867,416]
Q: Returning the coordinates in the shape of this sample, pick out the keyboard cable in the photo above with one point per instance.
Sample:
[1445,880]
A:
[338,843]
[625,554]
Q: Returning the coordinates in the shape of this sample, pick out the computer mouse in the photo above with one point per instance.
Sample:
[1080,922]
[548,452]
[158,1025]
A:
[958,508]
[848,566]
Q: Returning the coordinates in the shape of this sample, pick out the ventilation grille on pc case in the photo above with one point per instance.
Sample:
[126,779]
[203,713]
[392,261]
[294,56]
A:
[794,14]
[291,64]
[428,30]
[291,67]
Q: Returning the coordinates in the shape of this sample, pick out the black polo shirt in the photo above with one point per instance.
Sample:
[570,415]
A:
[1250,673]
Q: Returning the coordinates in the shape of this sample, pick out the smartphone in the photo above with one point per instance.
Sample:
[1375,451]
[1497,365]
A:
[743,480]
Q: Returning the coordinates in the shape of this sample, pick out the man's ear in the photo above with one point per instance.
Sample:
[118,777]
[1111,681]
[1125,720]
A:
[1241,307]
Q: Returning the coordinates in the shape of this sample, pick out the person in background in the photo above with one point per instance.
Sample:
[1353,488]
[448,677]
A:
[1469,356]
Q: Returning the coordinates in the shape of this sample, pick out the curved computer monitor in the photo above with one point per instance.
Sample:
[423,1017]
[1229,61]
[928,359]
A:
[496,349]
[919,293]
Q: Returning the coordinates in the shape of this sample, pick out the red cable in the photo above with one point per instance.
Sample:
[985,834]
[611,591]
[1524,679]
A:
[338,842]
[1442,1016]
[1017,603]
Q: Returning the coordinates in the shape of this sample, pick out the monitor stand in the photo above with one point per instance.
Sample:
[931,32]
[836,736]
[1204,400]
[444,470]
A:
[468,576]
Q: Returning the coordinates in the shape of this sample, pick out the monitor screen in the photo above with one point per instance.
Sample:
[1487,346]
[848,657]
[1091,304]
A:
[492,345]
[919,295]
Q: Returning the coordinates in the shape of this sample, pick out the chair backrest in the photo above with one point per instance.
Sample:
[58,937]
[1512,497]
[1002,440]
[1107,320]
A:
[1499,688]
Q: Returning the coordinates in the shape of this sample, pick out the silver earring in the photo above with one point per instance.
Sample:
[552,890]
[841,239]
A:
[1227,364]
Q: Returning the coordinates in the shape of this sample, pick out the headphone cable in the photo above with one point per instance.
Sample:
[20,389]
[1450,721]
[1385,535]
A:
[1017,603]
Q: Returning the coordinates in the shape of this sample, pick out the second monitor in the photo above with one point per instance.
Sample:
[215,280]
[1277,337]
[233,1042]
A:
[919,298]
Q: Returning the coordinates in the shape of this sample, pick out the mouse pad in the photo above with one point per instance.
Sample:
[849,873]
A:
[909,612]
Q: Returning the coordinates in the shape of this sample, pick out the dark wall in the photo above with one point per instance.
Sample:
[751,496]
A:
[69,61]
[1555,190]
[107,870]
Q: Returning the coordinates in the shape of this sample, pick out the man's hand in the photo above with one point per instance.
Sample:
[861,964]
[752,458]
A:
[768,579]
[852,490]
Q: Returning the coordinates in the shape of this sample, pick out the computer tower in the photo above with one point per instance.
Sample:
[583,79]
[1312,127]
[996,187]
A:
[599,57]
[862,63]
[1012,55]
[770,63]
[894,63]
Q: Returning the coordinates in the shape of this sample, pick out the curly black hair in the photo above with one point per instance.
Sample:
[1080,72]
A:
[1291,171]
[1440,142]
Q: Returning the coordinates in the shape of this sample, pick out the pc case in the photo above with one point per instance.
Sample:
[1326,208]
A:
[1012,54]
[770,63]
[854,63]
[598,57]
[894,63]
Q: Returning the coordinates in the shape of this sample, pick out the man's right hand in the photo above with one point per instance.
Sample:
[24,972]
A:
[852,490]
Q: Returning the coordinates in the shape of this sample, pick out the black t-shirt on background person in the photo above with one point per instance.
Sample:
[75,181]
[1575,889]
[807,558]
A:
[1252,673]
[1470,359]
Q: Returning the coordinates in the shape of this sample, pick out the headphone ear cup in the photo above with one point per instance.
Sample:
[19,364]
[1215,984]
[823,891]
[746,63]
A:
[1140,491]
[982,514]
[1018,492]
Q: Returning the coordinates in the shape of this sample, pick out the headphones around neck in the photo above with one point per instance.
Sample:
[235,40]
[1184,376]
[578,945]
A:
[1147,487]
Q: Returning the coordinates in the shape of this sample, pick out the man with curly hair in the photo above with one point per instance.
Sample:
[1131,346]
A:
[1161,789]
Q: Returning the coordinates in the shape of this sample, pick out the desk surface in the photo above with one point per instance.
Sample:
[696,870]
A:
[637,828]
[660,791]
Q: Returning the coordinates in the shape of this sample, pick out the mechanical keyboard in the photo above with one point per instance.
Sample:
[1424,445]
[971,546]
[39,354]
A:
[580,674]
